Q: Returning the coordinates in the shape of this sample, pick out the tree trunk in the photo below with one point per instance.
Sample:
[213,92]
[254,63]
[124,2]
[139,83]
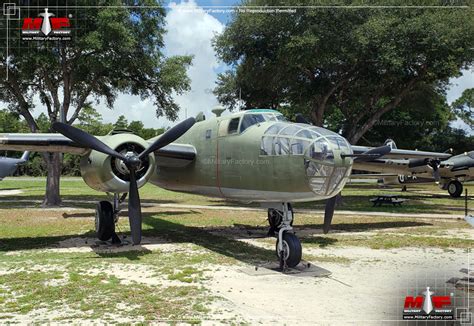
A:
[53,163]
[317,114]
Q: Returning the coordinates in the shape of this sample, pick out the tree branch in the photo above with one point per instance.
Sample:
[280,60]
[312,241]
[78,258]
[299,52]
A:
[81,102]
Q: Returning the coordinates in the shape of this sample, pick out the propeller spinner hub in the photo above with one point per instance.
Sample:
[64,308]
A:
[121,168]
[133,161]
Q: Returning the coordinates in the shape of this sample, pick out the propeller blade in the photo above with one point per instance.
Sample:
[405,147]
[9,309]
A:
[435,166]
[134,209]
[328,213]
[169,136]
[436,175]
[83,138]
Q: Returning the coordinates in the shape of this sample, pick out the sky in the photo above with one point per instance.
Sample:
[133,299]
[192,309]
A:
[190,30]
[191,25]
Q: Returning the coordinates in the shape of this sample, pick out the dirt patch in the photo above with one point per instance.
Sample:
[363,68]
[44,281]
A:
[369,290]
[10,192]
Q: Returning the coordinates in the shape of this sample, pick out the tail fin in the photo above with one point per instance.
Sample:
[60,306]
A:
[391,143]
[25,157]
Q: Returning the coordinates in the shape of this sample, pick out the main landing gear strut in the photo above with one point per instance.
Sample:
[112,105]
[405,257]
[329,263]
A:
[288,246]
[106,216]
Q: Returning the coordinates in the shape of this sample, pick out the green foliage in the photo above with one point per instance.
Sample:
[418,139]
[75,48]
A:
[121,123]
[116,48]
[43,123]
[9,121]
[464,107]
[89,120]
[360,63]
[447,138]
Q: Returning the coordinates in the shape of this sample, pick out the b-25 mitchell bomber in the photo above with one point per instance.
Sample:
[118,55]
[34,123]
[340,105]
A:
[251,156]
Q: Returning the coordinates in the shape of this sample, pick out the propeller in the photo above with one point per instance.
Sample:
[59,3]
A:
[132,162]
[435,166]
[431,162]
[328,213]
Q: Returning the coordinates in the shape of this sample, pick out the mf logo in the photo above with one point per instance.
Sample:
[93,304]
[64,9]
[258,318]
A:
[46,27]
[427,306]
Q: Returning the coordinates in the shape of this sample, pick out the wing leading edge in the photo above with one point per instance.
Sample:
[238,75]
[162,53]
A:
[172,155]
[396,153]
[40,143]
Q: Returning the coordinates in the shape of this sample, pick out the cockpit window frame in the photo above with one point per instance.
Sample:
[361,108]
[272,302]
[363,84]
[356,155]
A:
[269,116]
[307,136]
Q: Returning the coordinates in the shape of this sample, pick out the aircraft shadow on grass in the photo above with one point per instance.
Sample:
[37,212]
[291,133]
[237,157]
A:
[221,239]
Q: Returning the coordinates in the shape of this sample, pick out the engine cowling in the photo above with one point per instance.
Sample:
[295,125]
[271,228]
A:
[104,173]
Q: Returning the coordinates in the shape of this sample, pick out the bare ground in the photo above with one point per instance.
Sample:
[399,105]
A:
[365,286]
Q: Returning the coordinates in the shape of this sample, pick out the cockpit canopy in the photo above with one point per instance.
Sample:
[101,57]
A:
[298,139]
[252,117]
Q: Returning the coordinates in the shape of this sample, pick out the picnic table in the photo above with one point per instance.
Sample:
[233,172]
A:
[387,199]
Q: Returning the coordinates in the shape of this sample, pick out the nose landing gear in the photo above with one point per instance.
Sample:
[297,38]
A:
[288,246]
[275,217]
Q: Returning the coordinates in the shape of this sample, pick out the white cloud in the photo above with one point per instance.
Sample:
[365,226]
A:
[189,32]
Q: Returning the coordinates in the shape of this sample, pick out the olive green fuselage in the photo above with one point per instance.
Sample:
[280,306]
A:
[232,166]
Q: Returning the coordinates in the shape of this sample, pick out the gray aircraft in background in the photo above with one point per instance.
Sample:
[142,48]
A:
[9,165]
[449,174]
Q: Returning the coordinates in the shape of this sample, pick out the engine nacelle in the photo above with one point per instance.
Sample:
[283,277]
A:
[109,174]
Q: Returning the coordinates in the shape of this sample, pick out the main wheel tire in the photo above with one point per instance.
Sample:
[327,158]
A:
[275,216]
[455,188]
[104,220]
[291,249]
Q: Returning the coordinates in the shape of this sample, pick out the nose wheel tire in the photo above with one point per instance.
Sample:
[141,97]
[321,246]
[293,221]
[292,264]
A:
[291,249]
[455,188]
[104,221]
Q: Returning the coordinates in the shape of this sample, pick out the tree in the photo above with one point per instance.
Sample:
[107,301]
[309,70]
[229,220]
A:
[362,62]
[114,50]
[9,122]
[420,116]
[463,107]
[121,123]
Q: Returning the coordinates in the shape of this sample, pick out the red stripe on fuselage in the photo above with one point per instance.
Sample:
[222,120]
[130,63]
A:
[217,168]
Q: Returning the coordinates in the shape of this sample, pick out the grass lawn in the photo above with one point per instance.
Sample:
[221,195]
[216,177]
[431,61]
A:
[426,198]
[41,267]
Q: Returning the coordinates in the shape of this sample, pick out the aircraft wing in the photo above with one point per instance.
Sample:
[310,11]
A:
[174,155]
[372,176]
[40,143]
[396,153]
[398,161]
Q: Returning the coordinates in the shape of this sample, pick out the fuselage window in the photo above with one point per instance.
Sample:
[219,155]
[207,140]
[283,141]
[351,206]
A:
[208,133]
[233,126]
[250,120]
[266,147]
[298,146]
[282,146]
